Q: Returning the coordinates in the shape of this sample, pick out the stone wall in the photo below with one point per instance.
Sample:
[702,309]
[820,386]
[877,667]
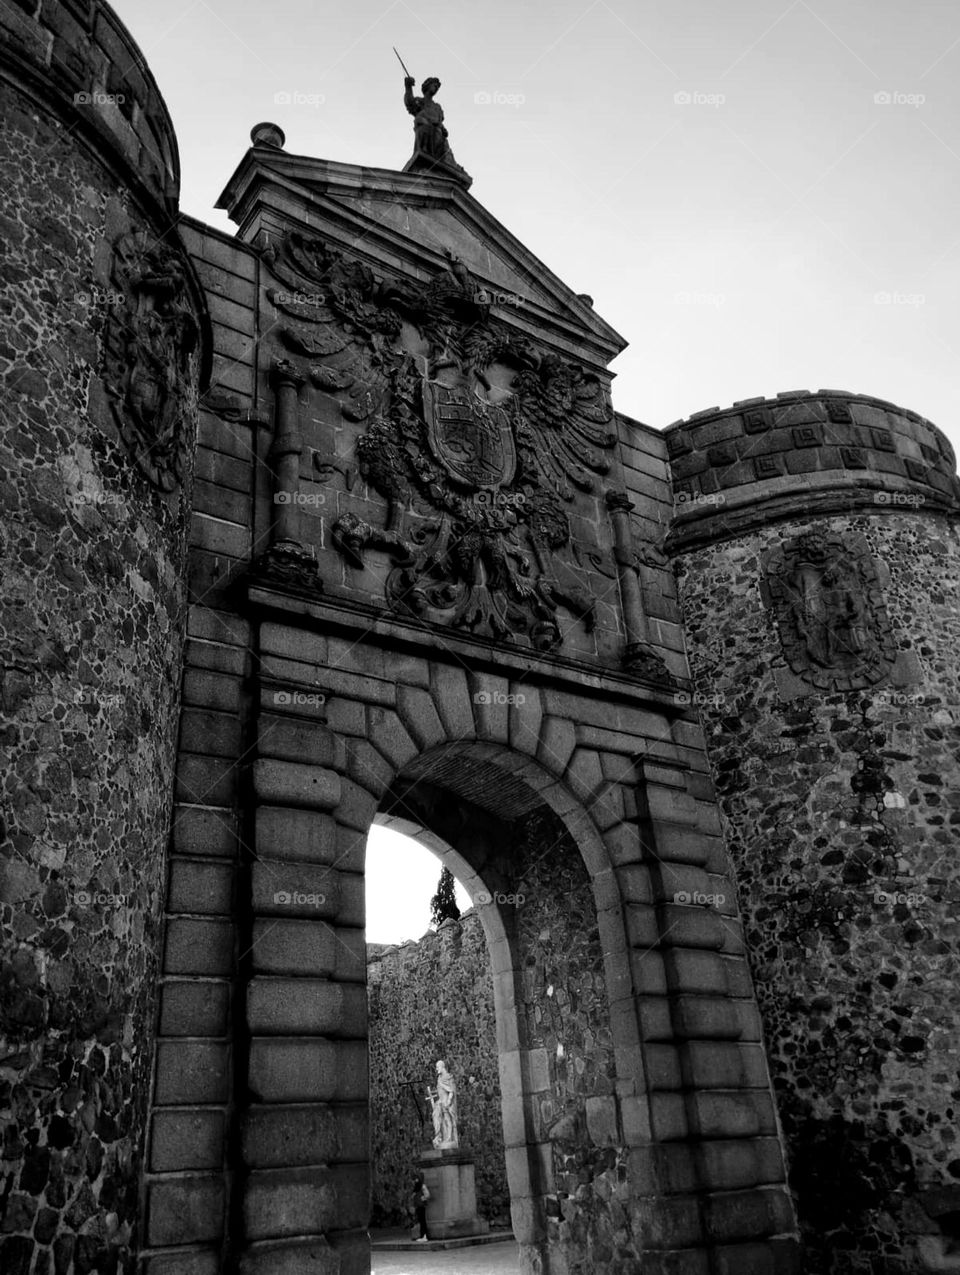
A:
[430,1000]
[842,808]
[91,625]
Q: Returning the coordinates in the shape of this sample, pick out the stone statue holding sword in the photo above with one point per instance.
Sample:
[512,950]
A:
[431,145]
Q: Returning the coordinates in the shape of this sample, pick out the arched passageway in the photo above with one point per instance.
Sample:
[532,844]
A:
[627,1110]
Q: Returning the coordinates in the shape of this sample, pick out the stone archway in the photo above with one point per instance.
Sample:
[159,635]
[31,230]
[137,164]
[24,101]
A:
[555,1036]
[689,1118]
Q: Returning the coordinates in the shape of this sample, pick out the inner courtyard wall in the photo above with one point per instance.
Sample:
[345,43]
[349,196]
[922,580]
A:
[428,1000]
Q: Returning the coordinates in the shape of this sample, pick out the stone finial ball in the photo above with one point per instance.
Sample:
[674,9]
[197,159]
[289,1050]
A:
[267,134]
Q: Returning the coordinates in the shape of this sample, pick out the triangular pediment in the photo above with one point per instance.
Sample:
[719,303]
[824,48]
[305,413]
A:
[408,222]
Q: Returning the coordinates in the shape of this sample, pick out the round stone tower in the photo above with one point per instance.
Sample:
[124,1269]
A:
[817,548]
[102,353]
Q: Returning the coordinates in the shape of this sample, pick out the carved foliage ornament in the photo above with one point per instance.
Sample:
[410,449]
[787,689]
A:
[150,342]
[826,594]
[477,442]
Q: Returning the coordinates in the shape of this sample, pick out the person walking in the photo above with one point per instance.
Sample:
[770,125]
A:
[420,1194]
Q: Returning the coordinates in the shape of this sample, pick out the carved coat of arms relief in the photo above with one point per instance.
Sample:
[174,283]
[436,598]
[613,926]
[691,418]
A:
[478,442]
[825,592]
[150,361]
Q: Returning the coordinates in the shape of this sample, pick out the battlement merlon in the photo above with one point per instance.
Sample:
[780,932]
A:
[764,460]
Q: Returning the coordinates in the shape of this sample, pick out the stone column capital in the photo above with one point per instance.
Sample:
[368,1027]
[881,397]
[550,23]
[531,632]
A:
[618,501]
[284,372]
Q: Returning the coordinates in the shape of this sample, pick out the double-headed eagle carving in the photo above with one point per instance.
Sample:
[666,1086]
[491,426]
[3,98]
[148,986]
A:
[477,441]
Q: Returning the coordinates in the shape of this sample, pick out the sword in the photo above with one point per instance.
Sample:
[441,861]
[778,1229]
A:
[400,60]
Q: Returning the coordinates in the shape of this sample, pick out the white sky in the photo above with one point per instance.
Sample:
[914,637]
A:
[401,879]
[739,245]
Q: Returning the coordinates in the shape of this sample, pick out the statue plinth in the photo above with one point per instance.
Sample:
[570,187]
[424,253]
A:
[452,1208]
[421,162]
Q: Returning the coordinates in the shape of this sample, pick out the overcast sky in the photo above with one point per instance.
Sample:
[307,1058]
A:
[759,195]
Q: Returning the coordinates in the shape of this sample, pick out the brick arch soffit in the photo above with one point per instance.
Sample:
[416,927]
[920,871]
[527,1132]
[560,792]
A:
[445,766]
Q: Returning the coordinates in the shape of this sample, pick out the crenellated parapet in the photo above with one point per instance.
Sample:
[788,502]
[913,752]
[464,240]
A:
[78,60]
[762,460]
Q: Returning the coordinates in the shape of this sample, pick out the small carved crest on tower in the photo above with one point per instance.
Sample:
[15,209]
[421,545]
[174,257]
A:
[825,592]
[149,361]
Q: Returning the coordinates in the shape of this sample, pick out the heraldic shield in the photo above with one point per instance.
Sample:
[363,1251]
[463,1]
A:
[472,439]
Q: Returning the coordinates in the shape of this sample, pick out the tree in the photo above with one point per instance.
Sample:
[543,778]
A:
[443,905]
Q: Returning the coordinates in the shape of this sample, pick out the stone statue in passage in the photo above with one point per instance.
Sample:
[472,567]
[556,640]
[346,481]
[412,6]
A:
[443,1108]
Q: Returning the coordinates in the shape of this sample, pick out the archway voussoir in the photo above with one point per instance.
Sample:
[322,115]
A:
[389,736]
[624,844]
[607,807]
[558,739]
[490,697]
[533,774]
[525,718]
[357,808]
[418,713]
[452,700]
[366,766]
[584,775]
[527,1217]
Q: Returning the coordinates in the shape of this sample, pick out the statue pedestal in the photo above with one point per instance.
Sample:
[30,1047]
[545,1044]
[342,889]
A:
[420,162]
[452,1207]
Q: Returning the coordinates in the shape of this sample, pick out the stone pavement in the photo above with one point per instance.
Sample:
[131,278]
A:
[482,1259]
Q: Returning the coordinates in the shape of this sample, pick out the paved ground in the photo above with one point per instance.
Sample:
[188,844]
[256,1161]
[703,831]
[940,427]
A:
[484,1259]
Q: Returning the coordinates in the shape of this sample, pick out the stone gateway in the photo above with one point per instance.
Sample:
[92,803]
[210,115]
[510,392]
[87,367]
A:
[333,522]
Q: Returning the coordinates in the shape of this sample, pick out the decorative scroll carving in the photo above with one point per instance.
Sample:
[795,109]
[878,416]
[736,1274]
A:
[476,441]
[826,595]
[149,361]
